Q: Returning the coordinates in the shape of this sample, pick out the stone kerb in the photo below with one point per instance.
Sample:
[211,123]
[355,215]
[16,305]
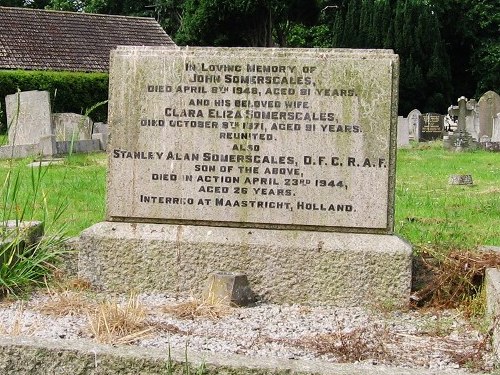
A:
[253,161]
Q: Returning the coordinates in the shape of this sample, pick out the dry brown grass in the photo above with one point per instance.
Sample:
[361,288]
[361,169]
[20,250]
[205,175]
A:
[348,346]
[454,280]
[194,308]
[115,323]
[67,297]
[67,303]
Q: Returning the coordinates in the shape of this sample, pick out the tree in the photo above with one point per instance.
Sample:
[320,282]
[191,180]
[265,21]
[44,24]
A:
[470,29]
[66,5]
[119,7]
[243,22]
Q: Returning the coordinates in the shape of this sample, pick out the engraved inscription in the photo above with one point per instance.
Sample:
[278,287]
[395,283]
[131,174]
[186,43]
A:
[252,136]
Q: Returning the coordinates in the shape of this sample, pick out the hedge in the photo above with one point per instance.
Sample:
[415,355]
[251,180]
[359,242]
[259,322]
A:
[69,91]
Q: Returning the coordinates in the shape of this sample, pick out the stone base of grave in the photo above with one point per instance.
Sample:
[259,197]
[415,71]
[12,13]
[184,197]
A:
[283,266]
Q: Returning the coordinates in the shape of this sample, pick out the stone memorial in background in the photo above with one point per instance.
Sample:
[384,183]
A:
[489,106]
[34,131]
[28,117]
[461,139]
[414,123]
[72,126]
[276,163]
[431,127]
[495,137]
[403,132]
[472,119]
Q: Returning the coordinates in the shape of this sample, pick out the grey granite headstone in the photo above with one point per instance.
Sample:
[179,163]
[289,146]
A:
[28,117]
[489,106]
[259,137]
[72,127]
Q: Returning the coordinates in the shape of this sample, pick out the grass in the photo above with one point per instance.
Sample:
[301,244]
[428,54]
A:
[78,184]
[433,215]
[195,308]
[115,323]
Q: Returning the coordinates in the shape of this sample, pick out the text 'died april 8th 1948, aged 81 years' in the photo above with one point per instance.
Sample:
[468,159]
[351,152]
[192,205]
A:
[255,136]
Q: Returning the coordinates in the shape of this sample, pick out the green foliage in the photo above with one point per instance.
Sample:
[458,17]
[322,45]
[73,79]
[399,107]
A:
[471,31]
[65,5]
[70,92]
[121,7]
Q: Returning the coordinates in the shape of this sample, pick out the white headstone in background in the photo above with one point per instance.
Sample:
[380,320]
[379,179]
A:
[495,137]
[28,117]
[414,124]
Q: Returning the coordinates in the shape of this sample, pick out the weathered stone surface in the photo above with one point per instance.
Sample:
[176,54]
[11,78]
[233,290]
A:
[17,236]
[263,137]
[403,132]
[28,117]
[340,269]
[28,232]
[496,129]
[66,147]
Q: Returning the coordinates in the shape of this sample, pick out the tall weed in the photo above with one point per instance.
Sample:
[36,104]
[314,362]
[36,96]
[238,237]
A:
[25,260]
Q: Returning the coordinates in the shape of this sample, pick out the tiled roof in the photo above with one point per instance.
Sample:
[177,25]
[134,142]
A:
[34,39]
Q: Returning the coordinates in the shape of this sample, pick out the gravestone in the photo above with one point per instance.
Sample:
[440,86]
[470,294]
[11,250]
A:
[489,106]
[461,139]
[414,123]
[403,132]
[72,127]
[276,163]
[28,117]
[100,133]
[432,127]
[472,119]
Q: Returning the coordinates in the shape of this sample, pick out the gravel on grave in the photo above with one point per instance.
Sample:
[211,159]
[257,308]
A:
[433,339]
